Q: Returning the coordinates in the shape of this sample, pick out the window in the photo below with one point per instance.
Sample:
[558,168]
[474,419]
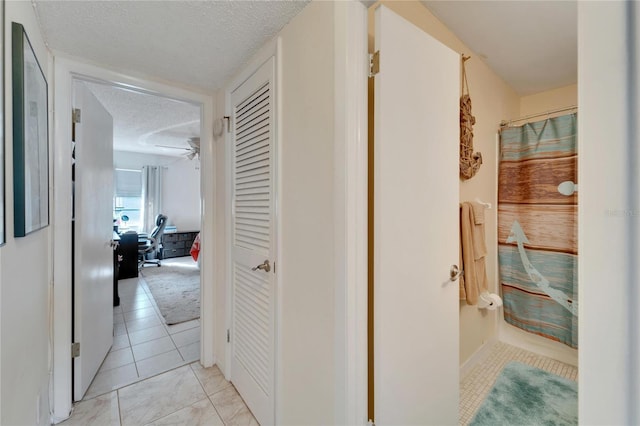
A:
[127,200]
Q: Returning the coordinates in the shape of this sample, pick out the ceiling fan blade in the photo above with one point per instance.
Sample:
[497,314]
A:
[174,147]
[194,143]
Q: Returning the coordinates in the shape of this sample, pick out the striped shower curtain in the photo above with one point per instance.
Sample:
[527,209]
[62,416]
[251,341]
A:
[537,227]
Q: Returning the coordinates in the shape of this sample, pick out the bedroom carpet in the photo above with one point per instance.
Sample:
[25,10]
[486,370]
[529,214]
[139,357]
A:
[176,290]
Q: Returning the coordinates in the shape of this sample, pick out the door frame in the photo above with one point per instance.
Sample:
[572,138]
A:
[351,239]
[65,71]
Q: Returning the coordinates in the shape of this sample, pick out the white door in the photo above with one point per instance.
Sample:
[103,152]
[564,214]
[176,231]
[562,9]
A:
[252,242]
[415,226]
[93,229]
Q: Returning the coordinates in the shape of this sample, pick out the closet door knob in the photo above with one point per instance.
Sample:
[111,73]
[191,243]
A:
[263,266]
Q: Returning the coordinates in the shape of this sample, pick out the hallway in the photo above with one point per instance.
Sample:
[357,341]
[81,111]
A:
[152,374]
[187,395]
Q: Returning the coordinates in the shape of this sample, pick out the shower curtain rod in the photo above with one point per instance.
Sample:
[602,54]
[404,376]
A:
[508,123]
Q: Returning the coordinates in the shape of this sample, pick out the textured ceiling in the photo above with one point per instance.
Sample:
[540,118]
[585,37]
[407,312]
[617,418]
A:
[532,45]
[148,123]
[198,44]
[195,43]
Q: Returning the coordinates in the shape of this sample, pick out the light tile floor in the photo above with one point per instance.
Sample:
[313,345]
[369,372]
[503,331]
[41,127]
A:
[143,345]
[150,378]
[477,384]
[187,395]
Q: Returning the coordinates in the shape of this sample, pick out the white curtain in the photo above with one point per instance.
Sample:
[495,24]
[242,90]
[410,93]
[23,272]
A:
[151,196]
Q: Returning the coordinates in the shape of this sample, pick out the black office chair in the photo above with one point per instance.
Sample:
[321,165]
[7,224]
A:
[151,243]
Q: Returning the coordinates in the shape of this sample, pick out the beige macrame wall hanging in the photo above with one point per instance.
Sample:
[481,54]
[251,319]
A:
[469,161]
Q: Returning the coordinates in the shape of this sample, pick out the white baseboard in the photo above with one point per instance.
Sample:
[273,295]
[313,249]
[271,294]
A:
[477,357]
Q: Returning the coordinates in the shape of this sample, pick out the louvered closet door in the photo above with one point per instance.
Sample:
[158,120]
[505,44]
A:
[253,316]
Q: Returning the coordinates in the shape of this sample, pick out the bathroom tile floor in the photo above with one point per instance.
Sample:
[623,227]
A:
[477,384]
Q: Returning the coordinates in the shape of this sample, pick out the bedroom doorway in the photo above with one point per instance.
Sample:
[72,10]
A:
[68,71]
[156,213]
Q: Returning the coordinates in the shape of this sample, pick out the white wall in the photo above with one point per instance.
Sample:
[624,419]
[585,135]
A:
[180,185]
[181,194]
[548,100]
[135,160]
[307,269]
[25,271]
[609,212]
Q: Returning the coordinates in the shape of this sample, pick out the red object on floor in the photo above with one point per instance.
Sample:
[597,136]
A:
[195,248]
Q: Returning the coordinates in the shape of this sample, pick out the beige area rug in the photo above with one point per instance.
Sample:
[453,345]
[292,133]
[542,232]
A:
[176,289]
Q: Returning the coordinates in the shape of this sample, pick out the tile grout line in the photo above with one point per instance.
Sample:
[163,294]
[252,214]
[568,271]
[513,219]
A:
[189,405]
[205,392]
[119,405]
[216,408]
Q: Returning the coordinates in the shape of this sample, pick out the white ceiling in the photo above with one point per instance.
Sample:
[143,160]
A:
[148,123]
[532,45]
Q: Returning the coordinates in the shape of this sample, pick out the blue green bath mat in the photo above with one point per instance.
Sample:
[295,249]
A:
[525,395]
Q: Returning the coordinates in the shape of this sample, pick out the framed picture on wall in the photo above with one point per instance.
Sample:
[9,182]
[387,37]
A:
[30,137]
[2,220]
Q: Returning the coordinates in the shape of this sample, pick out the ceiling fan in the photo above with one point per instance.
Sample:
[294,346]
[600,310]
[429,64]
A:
[192,152]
